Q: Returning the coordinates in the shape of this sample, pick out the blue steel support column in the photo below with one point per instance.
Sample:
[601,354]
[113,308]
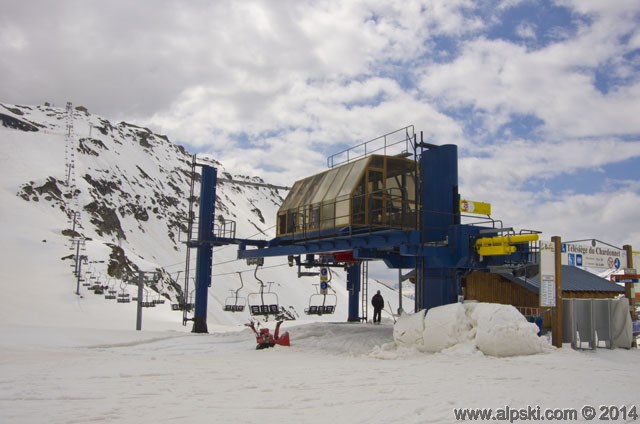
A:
[353,285]
[441,287]
[440,198]
[437,285]
[204,259]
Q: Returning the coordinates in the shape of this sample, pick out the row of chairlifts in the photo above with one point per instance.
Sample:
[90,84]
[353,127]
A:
[122,296]
[262,303]
[265,302]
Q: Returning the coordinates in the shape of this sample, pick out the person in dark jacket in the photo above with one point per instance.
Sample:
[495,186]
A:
[378,303]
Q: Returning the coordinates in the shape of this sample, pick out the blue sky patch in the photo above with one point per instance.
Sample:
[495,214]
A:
[536,24]
[611,177]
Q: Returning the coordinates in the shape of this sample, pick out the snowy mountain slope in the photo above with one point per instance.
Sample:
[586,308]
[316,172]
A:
[132,193]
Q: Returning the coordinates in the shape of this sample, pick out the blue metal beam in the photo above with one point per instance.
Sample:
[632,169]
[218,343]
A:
[382,240]
[204,259]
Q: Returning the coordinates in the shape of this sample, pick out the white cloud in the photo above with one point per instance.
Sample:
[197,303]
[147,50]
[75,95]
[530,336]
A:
[271,88]
[555,84]
[526,30]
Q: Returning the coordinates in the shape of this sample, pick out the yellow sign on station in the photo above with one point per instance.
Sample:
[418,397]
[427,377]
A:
[477,208]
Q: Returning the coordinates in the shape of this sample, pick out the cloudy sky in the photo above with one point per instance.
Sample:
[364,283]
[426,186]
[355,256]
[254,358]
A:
[542,97]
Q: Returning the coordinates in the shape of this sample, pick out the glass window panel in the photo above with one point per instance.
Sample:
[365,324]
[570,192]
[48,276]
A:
[314,217]
[340,180]
[289,200]
[312,187]
[342,212]
[374,183]
[359,202]
[327,215]
[353,177]
[325,184]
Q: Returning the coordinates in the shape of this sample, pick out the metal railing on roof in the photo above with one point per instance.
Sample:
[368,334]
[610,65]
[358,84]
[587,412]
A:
[398,142]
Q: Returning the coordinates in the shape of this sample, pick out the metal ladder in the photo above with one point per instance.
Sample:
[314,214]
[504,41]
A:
[364,290]
[185,293]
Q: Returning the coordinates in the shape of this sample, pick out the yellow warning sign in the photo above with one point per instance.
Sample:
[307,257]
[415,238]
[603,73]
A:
[478,208]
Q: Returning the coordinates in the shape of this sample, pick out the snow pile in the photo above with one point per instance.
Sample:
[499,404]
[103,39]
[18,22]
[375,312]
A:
[408,329]
[493,329]
[503,331]
[446,326]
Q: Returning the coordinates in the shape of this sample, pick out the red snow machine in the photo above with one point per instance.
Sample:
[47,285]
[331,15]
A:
[265,339]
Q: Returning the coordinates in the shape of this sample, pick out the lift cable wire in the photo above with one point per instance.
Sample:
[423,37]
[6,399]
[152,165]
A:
[221,248]
[248,270]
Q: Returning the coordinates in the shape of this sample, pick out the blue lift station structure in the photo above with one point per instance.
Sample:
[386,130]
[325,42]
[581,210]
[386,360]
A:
[403,209]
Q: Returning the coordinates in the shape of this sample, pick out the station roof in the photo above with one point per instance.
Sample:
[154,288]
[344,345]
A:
[326,186]
[573,279]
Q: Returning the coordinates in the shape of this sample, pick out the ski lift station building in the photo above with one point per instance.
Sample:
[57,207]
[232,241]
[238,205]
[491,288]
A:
[401,207]
[371,193]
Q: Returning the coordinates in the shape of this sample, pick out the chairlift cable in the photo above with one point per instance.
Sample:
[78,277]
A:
[218,250]
[234,272]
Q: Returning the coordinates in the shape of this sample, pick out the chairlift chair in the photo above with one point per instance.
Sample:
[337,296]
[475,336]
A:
[111,292]
[160,299]
[262,303]
[321,304]
[235,303]
[146,303]
[123,296]
[182,305]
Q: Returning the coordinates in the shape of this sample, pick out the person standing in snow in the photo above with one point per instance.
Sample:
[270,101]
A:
[378,303]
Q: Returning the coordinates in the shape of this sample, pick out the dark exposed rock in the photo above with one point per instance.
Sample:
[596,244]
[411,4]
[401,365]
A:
[103,186]
[259,213]
[136,210]
[119,264]
[14,110]
[105,220]
[17,124]
[86,149]
[49,190]
[70,233]
[144,174]
[105,128]
[51,187]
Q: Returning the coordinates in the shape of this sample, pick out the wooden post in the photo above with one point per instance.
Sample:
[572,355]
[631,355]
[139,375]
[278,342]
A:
[556,325]
[627,290]
[627,286]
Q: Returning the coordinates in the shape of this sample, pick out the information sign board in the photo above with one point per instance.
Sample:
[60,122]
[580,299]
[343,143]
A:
[547,274]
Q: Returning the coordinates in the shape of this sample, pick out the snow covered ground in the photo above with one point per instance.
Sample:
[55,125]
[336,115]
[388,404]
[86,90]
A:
[339,373]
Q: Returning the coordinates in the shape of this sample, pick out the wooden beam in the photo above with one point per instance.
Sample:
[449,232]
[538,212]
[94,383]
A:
[556,325]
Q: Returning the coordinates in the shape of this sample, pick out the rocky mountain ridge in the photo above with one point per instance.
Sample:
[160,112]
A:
[128,188]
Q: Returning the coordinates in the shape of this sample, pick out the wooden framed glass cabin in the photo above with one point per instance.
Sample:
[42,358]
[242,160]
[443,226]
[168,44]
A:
[370,194]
